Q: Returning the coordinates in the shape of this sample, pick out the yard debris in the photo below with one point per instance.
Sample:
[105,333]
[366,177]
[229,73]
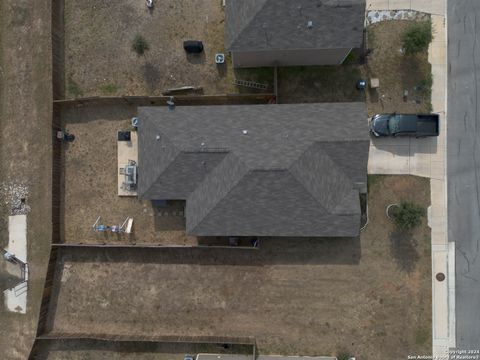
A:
[182,89]
[250,84]
[14,196]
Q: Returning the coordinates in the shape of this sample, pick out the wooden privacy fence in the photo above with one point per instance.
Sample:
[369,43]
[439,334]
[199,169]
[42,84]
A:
[135,342]
[180,100]
[58,49]
[43,335]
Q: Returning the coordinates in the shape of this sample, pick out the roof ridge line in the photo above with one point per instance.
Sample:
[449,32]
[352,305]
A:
[247,24]
[338,168]
[227,193]
[165,169]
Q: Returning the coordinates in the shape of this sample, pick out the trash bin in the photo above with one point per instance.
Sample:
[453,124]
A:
[193,46]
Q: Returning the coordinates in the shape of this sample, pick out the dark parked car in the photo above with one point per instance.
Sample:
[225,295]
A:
[193,46]
[421,125]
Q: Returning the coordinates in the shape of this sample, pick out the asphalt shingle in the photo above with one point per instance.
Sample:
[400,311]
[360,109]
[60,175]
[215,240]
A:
[265,170]
[284,24]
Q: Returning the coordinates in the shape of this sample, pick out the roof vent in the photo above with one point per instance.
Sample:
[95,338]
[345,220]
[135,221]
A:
[244,132]
[310,24]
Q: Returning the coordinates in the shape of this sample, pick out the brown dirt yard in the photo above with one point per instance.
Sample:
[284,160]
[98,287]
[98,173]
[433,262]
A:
[98,47]
[397,72]
[370,295]
[90,184]
[99,59]
[25,151]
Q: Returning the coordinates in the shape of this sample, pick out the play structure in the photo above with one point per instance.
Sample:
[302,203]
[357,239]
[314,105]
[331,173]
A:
[125,227]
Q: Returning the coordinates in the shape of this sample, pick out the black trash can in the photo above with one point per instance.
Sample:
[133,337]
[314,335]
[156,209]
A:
[193,46]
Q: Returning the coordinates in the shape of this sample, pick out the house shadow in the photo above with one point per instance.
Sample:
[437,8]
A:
[222,69]
[169,215]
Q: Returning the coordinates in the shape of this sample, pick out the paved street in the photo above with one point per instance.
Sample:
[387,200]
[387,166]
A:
[463,164]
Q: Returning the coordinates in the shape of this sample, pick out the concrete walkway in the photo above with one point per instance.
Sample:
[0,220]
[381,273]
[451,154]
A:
[260,357]
[436,7]
[427,158]
[16,298]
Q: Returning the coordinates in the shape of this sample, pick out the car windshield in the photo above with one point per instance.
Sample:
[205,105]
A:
[393,124]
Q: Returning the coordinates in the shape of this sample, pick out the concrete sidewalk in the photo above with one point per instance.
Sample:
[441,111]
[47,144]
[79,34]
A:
[427,158]
[436,7]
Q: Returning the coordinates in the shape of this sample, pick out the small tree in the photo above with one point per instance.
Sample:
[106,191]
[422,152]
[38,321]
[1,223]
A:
[140,45]
[417,37]
[408,215]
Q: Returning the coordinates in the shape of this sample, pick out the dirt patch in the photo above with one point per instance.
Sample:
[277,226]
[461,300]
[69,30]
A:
[99,56]
[306,84]
[90,185]
[25,152]
[347,292]
[398,73]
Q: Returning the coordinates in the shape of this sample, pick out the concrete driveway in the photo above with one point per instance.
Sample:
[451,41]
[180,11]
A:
[408,156]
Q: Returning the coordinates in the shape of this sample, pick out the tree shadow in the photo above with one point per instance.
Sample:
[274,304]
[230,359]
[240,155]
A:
[404,250]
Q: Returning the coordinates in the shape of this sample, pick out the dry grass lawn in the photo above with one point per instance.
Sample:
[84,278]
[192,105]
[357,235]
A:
[371,296]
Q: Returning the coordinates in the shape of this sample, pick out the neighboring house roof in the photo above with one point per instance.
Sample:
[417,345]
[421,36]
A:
[283,24]
[265,170]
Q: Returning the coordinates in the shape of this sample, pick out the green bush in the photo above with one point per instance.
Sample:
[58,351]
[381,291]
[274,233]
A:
[408,215]
[73,88]
[140,45]
[343,355]
[109,89]
[417,37]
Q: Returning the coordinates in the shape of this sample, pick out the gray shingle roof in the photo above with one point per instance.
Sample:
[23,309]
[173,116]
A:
[282,24]
[265,170]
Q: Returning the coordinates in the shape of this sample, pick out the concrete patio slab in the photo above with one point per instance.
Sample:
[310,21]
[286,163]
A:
[16,299]
[127,150]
